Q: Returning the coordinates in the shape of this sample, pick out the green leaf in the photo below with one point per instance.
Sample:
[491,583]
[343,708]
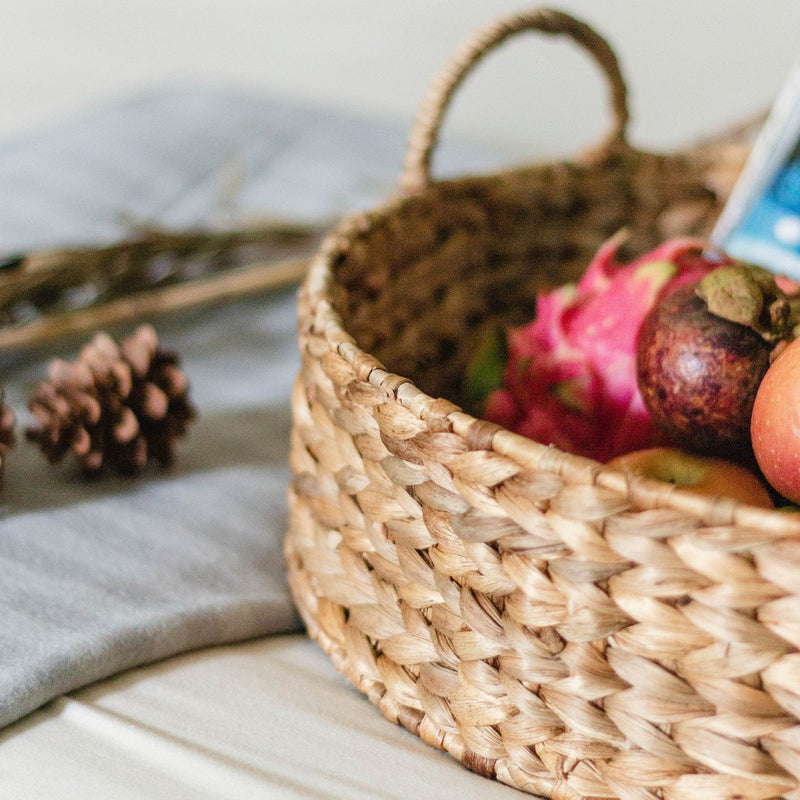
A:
[486,367]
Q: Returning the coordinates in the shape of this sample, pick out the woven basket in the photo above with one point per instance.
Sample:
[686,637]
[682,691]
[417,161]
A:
[550,622]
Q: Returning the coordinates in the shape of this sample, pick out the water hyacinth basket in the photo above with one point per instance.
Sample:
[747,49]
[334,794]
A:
[550,622]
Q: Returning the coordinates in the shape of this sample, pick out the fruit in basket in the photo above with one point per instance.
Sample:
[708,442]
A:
[703,352]
[775,423]
[570,377]
[704,475]
[699,373]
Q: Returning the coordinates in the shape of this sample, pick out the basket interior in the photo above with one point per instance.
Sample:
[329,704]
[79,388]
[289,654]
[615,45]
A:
[417,285]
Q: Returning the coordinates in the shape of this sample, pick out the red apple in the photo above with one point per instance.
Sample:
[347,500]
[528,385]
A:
[704,475]
[775,423]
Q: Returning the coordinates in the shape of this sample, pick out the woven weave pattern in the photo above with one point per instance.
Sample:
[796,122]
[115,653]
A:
[552,623]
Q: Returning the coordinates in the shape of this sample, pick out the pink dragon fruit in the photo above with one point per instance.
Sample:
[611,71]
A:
[570,378]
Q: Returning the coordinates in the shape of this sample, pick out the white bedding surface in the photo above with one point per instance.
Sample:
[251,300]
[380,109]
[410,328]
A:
[268,718]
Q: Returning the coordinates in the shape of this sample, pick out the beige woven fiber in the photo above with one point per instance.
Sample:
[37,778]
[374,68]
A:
[548,621]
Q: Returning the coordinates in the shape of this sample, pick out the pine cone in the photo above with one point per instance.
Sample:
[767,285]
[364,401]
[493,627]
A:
[7,437]
[116,407]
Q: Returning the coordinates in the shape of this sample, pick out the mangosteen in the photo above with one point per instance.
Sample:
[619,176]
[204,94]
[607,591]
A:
[698,374]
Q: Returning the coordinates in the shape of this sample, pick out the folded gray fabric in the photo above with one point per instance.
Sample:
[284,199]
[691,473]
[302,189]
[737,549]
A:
[98,577]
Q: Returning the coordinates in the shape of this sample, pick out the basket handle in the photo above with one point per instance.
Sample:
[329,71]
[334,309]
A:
[425,131]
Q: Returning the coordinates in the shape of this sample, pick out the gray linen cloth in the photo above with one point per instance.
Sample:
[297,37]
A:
[99,577]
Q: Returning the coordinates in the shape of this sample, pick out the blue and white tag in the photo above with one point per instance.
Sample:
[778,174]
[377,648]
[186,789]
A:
[761,220]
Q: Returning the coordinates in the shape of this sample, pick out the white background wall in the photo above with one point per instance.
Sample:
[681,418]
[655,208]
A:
[692,65]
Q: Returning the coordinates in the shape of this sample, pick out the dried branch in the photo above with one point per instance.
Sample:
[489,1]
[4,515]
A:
[239,283]
[50,294]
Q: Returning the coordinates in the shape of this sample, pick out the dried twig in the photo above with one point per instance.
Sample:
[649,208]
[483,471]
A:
[50,294]
[242,282]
